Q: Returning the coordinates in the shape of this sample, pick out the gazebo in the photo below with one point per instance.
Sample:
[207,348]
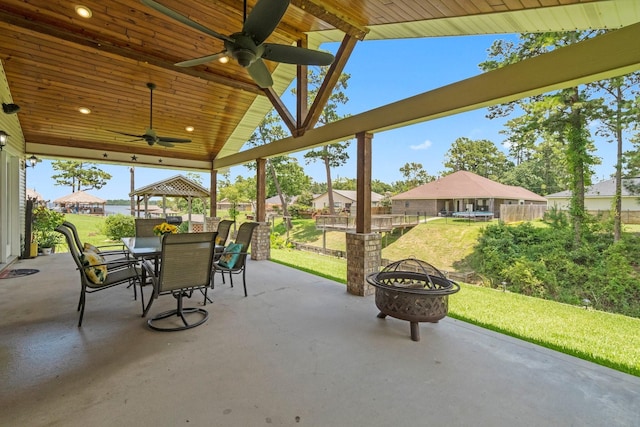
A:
[81,202]
[176,186]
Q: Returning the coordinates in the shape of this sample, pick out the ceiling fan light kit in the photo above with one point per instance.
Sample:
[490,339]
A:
[247,47]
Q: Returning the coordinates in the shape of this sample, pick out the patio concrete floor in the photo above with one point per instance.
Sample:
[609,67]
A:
[299,351]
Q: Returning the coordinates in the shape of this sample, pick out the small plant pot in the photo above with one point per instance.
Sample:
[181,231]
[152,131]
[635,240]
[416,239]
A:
[46,251]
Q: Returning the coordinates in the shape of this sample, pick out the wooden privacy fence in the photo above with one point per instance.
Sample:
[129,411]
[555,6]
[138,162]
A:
[516,213]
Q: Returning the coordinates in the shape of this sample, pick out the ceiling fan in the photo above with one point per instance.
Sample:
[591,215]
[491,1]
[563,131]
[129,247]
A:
[150,135]
[247,46]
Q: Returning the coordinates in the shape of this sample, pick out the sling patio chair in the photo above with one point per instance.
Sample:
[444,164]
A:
[112,256]
[103,250]
[96,274]
[144,226]
[234,258]
[186,266]
[223,232]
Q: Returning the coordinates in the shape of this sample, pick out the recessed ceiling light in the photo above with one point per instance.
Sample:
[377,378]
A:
[84,110]
[223,59]
[189,128]
[83,11]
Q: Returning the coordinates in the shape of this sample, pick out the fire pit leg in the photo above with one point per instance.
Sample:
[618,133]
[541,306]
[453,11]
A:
[381,315]
[415,331]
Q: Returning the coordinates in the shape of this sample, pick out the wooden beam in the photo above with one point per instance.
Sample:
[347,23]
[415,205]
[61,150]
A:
[332,17]
[213,194]
[330,81]
[282,110]
[363,175]
[618,53]
[110,46]
[302,90]
[261,192]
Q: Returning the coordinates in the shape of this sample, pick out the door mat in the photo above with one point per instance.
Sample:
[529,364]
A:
[10,274]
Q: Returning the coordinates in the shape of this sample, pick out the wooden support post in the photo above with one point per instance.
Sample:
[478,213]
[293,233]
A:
[363,212]
[261,185]
[213,194]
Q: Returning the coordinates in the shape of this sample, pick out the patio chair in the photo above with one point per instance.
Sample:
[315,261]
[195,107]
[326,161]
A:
[186,266]
[96,274]
[223,232]
[111,254]
[233,259]
[144,226]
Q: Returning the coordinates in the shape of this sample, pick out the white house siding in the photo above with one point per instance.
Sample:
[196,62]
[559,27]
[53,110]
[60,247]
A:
[630,213]
[339,201]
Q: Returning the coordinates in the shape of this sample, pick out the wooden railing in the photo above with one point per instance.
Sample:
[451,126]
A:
[378,222]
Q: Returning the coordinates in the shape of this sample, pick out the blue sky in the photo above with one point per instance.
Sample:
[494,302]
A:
[381,72]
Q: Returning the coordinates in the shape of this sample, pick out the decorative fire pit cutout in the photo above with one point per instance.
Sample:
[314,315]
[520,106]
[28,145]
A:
[412,290]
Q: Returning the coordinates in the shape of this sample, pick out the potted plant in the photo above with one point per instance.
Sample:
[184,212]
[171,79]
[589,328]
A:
[47,240]
[45,222]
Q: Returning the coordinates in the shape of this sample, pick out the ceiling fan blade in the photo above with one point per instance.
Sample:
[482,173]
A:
[171,139]
[165,143]
[126,134]
[260,73]
[202,60]
[181,18]
[295,55]
[264,18]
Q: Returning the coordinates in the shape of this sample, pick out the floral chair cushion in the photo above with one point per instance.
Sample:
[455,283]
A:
[88,247]
[96,272]
[230,255]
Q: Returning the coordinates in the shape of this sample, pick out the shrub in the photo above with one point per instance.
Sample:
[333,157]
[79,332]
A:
[279,242]
[118,226]
[45,222]
[546,262]
[183,227]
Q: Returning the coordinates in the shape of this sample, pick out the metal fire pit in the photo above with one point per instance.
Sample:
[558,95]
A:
[412,290]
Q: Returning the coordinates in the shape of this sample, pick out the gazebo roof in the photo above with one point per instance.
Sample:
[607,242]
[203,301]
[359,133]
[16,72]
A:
[33,194]
[80,197]
[176,186]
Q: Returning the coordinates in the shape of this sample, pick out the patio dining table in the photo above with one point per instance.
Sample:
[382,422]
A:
[144,247]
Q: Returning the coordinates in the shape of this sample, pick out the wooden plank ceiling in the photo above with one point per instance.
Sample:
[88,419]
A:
[57,62]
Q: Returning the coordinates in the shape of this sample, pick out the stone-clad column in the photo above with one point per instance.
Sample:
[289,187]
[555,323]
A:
[363,258]
[260,242]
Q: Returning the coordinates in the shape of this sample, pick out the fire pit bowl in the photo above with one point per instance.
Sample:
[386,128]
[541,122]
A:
[412,290]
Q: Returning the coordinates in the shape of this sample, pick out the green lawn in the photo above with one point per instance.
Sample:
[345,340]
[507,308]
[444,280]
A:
[608,339]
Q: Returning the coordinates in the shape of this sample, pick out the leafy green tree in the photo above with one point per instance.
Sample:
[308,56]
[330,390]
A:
[79,175]
[617,115]
[318,187]
[285,176]
[332,155]
[238,192]
[380,187]
[481,157]
[414,175]
[345,184]
[563,114]
[542,170]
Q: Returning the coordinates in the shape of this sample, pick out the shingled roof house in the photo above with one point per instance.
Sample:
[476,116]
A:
[461,191]
[598,199]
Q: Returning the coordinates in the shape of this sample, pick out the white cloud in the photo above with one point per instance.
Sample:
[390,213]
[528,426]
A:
[425,145]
